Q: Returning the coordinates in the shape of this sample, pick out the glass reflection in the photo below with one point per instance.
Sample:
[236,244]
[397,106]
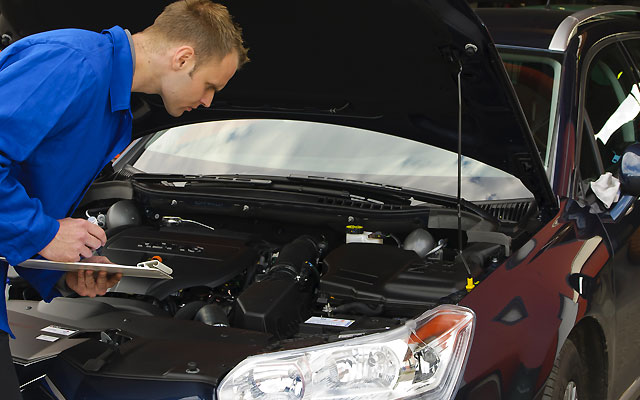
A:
[277,147]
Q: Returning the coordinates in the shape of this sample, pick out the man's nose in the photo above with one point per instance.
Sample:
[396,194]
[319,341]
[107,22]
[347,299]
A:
[207,99]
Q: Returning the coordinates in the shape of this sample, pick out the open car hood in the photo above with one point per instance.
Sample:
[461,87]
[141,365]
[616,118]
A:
[385,65]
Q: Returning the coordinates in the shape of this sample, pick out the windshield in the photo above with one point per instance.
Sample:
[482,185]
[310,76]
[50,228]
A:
[283,148]
[536,80]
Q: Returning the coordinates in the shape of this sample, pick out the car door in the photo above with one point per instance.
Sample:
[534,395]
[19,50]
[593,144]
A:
[611,104]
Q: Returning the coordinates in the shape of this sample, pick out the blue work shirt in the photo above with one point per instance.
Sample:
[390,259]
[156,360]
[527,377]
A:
[64,114]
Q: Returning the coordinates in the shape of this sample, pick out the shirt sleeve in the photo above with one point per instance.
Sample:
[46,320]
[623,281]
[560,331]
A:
[39,85]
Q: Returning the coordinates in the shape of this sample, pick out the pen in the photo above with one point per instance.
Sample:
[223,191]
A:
[94,221]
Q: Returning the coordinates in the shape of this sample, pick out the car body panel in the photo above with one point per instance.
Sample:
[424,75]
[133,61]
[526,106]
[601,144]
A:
[520,332]
[606,321]
[155,354]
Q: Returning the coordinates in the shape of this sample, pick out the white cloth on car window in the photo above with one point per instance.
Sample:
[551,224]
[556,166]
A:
[607,189]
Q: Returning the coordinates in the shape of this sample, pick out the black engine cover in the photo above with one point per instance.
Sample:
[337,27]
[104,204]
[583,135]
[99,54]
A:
[389,275]
[196,259]
[281,298]
[273,305]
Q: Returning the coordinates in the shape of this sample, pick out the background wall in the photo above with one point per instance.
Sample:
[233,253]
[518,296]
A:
[524,3]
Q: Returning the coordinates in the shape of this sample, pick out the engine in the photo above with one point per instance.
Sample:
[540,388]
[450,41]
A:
[290,281]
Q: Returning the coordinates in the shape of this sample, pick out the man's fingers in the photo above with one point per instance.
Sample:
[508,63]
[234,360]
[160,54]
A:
[71,277]
[97,232]
[86,252]
[90,283]
[75,238]
[101,283]
[97,260]
[89,280]
[113,279]
[93,242]
[80,281]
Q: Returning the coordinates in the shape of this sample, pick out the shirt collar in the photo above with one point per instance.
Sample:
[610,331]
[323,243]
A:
[121,71]
[133,50]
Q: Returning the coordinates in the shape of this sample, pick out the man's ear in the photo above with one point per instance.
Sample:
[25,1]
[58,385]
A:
[183,57]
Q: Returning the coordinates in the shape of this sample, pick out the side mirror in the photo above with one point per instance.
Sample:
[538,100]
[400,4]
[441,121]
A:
[630,170]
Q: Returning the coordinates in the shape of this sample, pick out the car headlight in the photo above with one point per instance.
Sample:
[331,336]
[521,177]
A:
[423,358]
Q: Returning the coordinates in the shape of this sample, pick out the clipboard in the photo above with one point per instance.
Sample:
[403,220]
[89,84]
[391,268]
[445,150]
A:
[147,269]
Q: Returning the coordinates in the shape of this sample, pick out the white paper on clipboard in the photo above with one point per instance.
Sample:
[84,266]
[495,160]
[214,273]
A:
[147,269]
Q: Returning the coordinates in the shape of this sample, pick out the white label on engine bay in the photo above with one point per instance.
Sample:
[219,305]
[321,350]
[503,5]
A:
[58,330]
[329,321]
[47,338]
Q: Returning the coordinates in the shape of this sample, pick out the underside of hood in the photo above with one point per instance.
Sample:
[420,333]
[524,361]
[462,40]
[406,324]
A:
[385,65]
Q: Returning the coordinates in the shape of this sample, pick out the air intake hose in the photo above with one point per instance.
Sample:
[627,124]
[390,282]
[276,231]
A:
[297,259]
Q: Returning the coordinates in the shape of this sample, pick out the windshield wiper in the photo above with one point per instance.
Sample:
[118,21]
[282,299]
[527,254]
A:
[179,180]
[407,193]
[351,189]
[319,186]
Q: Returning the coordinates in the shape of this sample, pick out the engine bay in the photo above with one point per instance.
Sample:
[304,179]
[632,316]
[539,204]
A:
[296,273]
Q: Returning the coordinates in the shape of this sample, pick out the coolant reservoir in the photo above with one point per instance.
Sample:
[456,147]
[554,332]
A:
[420,241]
[357,234]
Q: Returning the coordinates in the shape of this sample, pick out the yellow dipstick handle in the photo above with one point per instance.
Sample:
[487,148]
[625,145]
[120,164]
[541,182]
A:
[470,284]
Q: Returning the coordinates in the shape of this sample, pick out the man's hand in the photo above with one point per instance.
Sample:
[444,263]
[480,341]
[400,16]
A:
[91,283]
[76,238]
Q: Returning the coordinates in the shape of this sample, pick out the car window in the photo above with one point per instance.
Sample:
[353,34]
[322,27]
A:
[633,46]
[283,148]
[611,105]
[536,82]
[589,163]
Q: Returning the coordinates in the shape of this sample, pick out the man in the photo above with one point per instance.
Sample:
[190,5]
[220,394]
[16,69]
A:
[65,113]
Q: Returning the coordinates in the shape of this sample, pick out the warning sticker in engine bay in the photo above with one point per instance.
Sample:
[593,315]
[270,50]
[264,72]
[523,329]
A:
[58,330]
[329,321]
[47,338]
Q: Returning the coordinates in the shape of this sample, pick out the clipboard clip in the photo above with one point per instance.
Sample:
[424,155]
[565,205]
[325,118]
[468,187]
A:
[155,264]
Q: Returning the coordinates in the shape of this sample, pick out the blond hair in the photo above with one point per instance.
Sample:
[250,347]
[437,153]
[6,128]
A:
[206,26]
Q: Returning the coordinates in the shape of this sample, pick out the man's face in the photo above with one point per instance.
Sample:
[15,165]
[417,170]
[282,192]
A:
[185,89]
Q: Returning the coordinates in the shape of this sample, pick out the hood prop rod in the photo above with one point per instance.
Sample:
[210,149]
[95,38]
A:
[470,49]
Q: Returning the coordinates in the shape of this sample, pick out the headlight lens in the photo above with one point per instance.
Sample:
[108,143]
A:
[424,358]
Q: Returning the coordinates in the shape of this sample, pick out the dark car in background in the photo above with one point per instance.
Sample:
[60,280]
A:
[328,242]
